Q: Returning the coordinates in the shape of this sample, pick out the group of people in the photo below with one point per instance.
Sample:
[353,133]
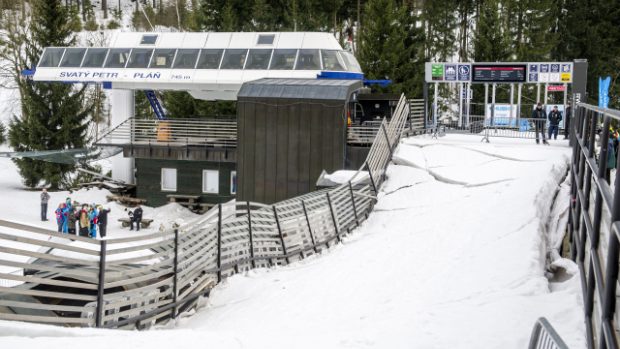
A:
[84,220]
[555,117]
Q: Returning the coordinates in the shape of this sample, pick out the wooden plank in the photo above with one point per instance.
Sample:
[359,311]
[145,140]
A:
[78,273]
[45,243]
[40,306]
[46,232]
[46,281]
[44,319]
[48,256]
[38,293]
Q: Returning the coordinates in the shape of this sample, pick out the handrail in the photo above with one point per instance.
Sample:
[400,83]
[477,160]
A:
[544,336]
[594,221]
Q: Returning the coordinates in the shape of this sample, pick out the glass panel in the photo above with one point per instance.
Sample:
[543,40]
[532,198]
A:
[140,58]
[51,57]
[148,40]
[186,59]
[234,59]
[163,58]
[73,57]
[169,179]
[352,64]
[265,39]
[258,59]
[117,58]
[210,59]
[308,60]
[332,61]
[94,58]
[283,59]
[211,181]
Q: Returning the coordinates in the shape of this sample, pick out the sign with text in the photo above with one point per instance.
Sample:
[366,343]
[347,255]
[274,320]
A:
[556,88]
[499,73]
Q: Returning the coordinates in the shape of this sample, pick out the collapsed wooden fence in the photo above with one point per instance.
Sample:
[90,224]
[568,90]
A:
[134,282]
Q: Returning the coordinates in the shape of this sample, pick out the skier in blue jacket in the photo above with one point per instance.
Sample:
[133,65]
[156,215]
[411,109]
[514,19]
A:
[92,216]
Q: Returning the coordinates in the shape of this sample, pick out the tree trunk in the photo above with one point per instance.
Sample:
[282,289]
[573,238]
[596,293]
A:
[104,8]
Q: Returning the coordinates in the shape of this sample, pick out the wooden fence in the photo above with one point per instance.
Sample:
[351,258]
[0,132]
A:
[135,282]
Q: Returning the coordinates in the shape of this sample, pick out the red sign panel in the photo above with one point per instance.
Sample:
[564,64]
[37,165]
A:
[556,88]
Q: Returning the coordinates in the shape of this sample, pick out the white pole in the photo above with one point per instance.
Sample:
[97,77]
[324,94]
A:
[565,100]
[493,105]
[435,106]
[512,96]
[467,104]
[486,100]
[546,96]
[123,108]
[537,93]
[460,104]
[519,103]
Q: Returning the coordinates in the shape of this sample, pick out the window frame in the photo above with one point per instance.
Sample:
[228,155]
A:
[283,49]
[105,64]
[176,179]
[74,49]
[131,56]
[245,58]
[338,57]
[219,64]
[174,64]
[153,57]
[62,51]
[320,67]
[107,50]
[205,184]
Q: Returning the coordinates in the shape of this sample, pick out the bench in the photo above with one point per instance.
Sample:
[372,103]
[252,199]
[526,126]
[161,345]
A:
[189,201]
[144,223]
[127,200]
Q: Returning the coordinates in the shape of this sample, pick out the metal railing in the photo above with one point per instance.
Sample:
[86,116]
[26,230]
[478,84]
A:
[594,223]
[135,282]
[544,336]
[215,133]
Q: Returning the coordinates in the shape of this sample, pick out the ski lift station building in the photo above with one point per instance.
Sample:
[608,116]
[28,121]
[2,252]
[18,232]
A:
[294,92]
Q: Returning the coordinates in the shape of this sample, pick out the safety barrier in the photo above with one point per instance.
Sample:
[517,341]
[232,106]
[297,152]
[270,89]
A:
[544,336]
[594,223]
[135,282]
[503,127]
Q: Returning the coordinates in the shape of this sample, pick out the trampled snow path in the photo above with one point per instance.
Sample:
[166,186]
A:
[451,263]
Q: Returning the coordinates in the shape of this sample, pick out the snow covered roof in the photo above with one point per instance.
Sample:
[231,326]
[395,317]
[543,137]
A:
[325,89]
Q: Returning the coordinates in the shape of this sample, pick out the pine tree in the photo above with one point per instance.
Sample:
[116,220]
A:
[54,116]
[491,40]
[440,23]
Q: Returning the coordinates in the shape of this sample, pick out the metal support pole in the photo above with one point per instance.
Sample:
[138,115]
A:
[387,139]
[493,105]
[564,101]
[546,96]
[101,286]
[538,93]
[426,106]
[460,104]
[353,203]
[250,232]
[331,209]
[436,106]
[372,181]
[512,102]
[519,87]
[468,103]
[219,242]
[275,215]
[303,205]
[486,101]
[175,279]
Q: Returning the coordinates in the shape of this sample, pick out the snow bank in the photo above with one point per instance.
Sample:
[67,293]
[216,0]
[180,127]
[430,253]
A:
[438,264]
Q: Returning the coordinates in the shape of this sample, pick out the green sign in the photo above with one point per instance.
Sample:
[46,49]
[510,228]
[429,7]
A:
[437,71]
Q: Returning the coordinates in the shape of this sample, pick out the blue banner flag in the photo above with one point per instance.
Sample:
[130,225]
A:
[603,91]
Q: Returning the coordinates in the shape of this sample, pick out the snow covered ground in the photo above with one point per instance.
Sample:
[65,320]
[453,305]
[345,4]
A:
[452,257]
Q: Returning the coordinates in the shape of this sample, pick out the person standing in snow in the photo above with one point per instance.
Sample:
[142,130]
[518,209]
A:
[540,118]
[45,198]
[66,211]
[103,221]
[92,218]
[136,218]
[59,216]
[555,116]
[84,221]
[73,217]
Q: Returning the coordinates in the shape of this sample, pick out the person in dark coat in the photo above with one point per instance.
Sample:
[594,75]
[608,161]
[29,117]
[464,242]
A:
[136,217]
[103,221]
[555,116]
[568,114]
[73,217]
[45,198]
[539,123]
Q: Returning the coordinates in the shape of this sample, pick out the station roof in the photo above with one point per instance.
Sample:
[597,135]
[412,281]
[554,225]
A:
[325,89]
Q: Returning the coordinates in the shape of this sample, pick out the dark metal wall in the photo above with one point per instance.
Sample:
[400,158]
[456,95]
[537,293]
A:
[189,180]
[284,144]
